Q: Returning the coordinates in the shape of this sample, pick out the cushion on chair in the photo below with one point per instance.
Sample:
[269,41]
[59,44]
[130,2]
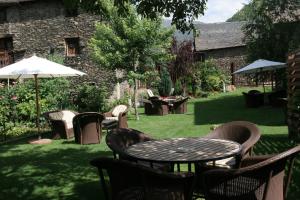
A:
[118,109]
[68,117]
[150,93]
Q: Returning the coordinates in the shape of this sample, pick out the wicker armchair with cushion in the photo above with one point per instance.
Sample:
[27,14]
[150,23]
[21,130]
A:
[180,106]
[151,95]
[131,181]
[259,178]
[254,99]
[61,123]
[87,127]
[156,107]
[116,118]
[245,133]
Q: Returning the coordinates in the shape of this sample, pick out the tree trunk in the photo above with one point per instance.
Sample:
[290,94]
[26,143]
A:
[135,90]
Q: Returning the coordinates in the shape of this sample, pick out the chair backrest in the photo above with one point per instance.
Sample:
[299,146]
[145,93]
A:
[118,109]
[264,180]
[132,181]
[124,179]
[87,127]
[65,115]
[242,132]
[119,139]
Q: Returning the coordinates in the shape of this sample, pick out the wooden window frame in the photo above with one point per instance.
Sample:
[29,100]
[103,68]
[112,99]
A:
[72,47]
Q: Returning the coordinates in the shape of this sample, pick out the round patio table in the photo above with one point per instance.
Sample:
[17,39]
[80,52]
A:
[184,150]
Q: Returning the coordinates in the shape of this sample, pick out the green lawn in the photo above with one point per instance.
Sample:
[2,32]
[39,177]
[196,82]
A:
[61,170]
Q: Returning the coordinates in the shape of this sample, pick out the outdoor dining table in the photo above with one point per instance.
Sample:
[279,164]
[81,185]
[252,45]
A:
[184,150]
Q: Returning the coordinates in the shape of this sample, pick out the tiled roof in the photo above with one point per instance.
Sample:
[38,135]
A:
[219,35]
[12,1]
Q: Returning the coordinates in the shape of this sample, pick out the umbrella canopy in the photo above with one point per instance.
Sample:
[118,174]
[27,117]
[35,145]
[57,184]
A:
[41,67]
[36,67]
[259,66]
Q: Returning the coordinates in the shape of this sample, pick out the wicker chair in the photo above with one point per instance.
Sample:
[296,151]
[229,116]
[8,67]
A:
[87,127]
[120,139]
[131,181]
[118,115]
[151,95]
[254,99]
[245,133]
[260,178]
[180,106]
[61,123]
[156,107]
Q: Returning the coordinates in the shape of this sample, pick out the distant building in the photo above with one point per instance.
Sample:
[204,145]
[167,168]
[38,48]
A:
[222,42]
[45,27]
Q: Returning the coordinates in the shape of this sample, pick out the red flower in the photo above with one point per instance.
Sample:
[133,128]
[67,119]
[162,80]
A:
[14,97]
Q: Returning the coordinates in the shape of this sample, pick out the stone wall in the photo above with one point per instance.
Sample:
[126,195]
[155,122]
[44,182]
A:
[41,28]
[230,60]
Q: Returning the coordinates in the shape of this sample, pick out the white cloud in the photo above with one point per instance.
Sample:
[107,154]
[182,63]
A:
[221,10]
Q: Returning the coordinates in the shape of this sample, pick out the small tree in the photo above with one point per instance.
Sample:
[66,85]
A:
[182,66]
[165,83]
[130,42]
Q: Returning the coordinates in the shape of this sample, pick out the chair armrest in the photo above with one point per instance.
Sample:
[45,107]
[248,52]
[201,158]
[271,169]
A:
[254,160]
[122,119]
[108,114]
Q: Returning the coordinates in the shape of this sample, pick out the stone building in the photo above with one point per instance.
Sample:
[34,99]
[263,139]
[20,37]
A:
[222,42]
[44,27]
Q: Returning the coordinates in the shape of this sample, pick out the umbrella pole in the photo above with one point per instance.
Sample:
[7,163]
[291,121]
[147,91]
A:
[37,105]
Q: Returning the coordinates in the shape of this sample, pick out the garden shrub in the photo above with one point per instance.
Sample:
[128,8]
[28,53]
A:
[178,89]
[211,77]
[165,83]
[91,98]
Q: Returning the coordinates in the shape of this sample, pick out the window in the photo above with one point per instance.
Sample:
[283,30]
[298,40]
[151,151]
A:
[199,56]
[6,44]
[72,12]
[3,18]
[72,46]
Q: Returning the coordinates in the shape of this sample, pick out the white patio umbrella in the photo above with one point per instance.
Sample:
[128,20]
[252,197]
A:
[259,66]
[36,67]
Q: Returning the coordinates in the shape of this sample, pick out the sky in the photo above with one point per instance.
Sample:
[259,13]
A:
[221,10]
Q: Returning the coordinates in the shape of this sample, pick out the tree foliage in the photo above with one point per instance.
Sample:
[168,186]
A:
[272,29]
[241,15]
[165,83]
[182,65]
[130,42]
[183,13]
[124,40]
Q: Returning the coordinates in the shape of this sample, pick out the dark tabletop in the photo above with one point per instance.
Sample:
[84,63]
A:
[184,150]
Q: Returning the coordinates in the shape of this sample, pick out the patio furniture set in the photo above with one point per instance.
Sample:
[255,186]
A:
[255,98]
[156,105]
[85,127]
[220,166]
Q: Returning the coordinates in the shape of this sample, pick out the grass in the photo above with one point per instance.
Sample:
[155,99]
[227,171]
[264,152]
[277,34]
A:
[61,170]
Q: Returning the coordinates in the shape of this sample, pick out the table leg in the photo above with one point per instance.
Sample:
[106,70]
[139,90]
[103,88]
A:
[189,167]
[178,167]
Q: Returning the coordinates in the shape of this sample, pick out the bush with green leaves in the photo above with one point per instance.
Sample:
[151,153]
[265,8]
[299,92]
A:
[18,101]
[178,88]
[165,85]
[210,75]
[91,98]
